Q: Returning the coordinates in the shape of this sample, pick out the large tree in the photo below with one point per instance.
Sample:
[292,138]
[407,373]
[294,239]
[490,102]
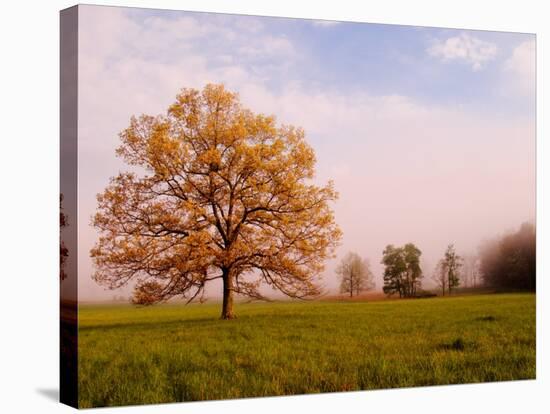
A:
[402,272]
[218,193]
[355,274]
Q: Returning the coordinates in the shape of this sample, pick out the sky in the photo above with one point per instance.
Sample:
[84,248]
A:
[428,133]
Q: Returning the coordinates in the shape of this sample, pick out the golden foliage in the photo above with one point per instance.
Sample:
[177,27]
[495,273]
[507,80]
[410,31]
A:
[225,193]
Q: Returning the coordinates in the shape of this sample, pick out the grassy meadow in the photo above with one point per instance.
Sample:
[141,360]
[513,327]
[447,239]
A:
[173,352]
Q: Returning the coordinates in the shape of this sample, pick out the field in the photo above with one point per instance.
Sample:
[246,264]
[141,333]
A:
[173,352]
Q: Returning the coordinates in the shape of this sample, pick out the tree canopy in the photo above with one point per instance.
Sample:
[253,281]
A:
[402,272]
[217,192]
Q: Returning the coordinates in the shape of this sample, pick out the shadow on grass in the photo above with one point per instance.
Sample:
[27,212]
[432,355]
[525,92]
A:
[150,325]
[202,322]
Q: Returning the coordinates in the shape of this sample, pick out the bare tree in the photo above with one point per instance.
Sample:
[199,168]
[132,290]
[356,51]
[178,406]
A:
[470,271]
[355,274]
[440,276]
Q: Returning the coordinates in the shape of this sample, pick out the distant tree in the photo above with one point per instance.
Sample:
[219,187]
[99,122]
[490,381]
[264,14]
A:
[413,272]
[219,193]
[451,264]
[355,274]
[440,276]
[63,250]
[402,272]
[394,269]
[470,271]
[510,261]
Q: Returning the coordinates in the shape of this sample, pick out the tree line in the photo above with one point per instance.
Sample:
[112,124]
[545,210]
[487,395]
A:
[507,262]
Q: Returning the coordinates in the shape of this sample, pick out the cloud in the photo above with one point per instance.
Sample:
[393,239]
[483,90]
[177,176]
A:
[325,23]
[521,68]
[464,48]
[130,65]
[273,45]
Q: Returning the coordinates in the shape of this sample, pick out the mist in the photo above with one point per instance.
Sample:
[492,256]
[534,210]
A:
[407,169]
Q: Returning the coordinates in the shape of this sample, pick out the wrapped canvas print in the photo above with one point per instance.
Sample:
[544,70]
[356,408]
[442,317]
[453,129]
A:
[259,206]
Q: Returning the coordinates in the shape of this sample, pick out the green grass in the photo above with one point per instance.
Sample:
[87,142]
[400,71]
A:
[172,352]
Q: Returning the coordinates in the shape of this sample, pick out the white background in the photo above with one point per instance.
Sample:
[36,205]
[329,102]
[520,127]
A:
[29,146]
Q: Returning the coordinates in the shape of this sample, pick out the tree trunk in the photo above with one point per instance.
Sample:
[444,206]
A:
[227,306]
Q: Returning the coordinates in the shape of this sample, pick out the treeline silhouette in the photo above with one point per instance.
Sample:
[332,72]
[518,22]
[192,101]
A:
[509,262]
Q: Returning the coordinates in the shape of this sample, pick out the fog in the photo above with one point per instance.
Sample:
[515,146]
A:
[406,170]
